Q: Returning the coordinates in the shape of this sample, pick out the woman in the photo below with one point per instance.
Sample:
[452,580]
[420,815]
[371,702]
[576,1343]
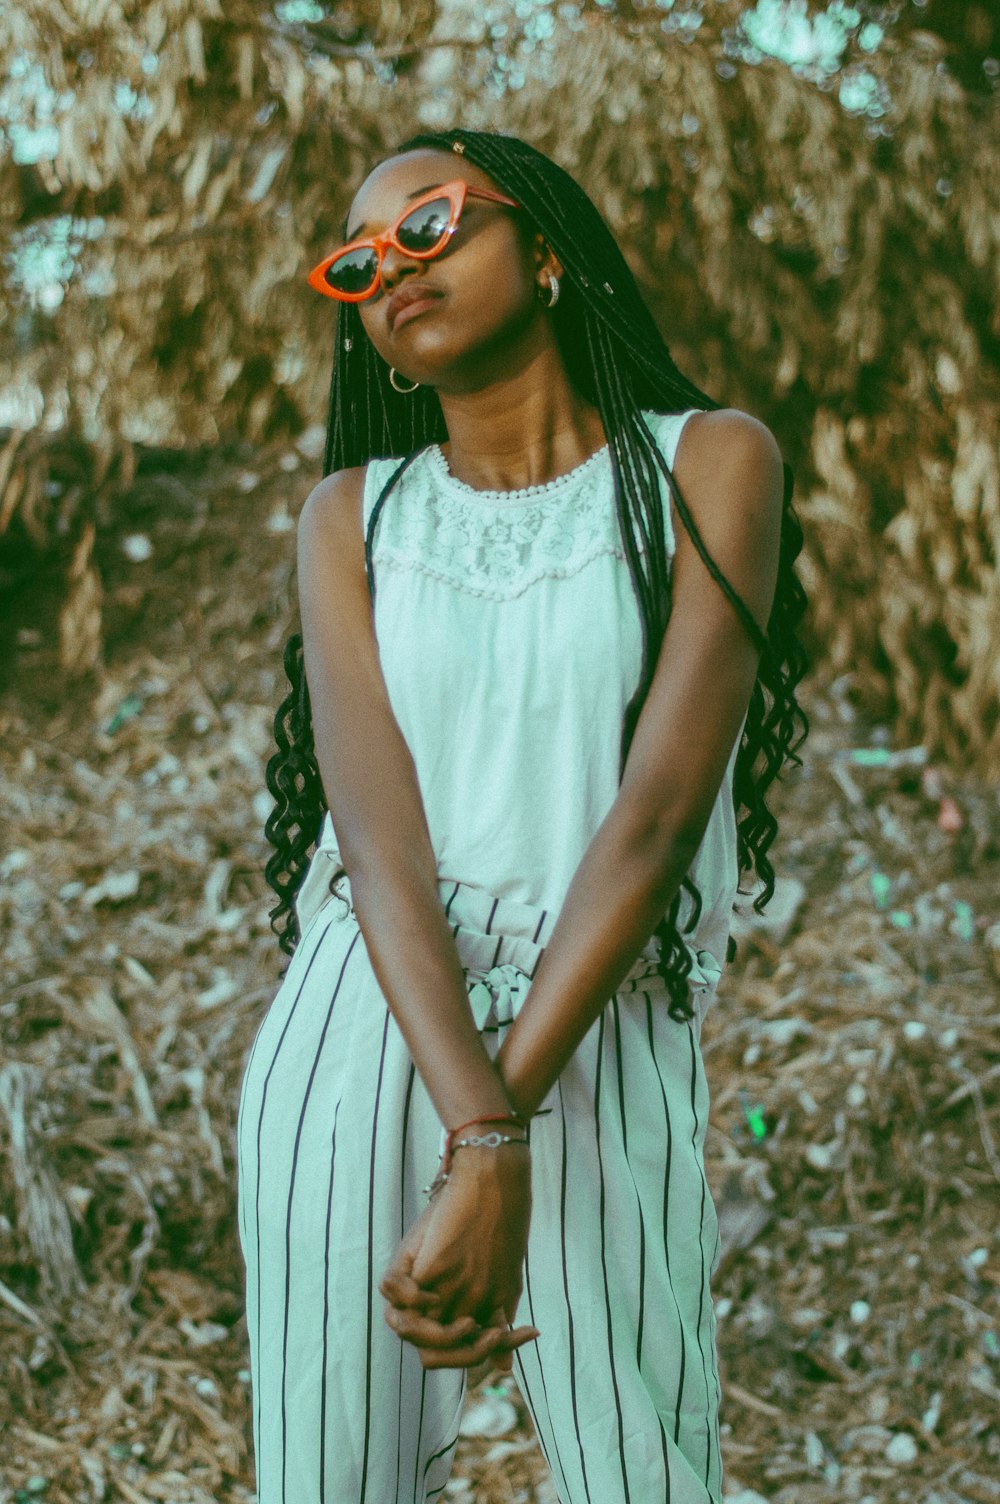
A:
[547,672]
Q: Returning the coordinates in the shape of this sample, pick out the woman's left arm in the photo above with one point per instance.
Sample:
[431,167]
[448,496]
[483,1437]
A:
[728,469]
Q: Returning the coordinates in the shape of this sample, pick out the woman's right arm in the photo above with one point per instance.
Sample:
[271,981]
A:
[377,810]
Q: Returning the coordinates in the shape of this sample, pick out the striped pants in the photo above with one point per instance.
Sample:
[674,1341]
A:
[336,1136]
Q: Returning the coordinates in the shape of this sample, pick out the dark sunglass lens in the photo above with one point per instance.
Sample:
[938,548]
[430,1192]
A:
[354,272]
[425,227]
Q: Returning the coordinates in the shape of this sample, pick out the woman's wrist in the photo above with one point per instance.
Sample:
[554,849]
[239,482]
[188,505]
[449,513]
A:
[504,1162]
[501,1145]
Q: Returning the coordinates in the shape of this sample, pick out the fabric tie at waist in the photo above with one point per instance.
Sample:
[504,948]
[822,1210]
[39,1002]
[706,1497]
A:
[500,941]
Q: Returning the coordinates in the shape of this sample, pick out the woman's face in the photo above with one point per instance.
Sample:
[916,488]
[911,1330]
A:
[484,282]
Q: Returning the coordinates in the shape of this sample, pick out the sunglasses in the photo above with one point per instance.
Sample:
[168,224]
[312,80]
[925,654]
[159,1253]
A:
[423,230]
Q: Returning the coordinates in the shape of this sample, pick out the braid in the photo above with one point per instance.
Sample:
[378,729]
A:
[292,777]
[617,360]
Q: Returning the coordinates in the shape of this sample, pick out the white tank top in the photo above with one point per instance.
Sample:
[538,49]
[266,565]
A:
[510,641]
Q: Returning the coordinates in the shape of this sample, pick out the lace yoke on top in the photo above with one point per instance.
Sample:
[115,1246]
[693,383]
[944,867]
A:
[494,543]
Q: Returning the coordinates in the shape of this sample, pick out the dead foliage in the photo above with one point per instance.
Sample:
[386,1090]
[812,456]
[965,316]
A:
[832,270]
[854,1066]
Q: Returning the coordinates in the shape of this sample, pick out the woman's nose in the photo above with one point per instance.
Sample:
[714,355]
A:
[395,265]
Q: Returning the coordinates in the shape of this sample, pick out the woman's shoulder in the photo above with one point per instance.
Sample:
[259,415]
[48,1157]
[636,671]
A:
[708,432]
[335,502]
[730,471]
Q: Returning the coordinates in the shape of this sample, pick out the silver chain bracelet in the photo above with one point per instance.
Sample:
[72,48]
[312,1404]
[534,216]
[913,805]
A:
[480,1141]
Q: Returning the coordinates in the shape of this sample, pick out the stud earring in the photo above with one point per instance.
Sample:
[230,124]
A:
[393,373]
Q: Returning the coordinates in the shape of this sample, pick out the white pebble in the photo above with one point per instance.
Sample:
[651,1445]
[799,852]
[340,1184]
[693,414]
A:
[116,887]
[914,1029]
[137,547]
[902,1448]
[489,1416]
[860,1312]
[821,1156]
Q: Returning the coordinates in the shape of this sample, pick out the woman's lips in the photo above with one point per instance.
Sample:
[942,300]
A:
[410,310]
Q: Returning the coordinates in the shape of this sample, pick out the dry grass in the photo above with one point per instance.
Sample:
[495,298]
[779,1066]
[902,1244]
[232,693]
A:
[854,1142]
[835,274]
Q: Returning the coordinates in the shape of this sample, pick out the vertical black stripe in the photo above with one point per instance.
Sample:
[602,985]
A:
[442,1452]
[454,895]
[288,1210]
[604,1263]
[402,1234]
[715,1360]
[638,1198]
[525,1388]
[496,953]
[371,1261]
[260,1122]
[420,1437]
[489,921]
[538,929]
[701,1250]
[621,1080]
[326,1315]
[569,1309]
[666,1213]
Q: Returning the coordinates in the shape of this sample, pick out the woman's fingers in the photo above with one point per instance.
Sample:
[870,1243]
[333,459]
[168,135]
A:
[455,1344]
[424,1331]
[496,1343]
[402,1290]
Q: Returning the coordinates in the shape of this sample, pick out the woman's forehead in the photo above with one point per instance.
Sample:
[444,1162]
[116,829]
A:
[387,186]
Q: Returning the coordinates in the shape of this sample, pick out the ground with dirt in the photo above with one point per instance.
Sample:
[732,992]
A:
[853,1061]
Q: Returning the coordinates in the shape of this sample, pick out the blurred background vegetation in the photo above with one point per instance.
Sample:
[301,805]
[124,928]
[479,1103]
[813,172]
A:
[808,195]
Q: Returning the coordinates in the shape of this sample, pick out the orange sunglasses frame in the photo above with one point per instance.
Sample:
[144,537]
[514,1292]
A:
[456,194]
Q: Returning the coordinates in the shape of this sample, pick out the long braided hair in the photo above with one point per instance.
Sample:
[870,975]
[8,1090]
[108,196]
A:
[617,360]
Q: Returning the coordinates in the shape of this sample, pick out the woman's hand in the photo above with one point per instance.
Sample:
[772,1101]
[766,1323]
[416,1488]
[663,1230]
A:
[455,1282]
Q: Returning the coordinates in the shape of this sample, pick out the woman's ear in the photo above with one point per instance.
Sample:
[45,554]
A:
[546,259]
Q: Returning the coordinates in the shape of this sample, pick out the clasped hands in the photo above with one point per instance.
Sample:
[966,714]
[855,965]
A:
[454,1284]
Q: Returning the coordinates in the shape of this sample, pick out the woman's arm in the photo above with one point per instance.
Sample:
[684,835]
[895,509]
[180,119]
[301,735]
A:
[377,810]
[729,471]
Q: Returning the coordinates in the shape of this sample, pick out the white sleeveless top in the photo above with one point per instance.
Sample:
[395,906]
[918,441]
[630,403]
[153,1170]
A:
[510,641]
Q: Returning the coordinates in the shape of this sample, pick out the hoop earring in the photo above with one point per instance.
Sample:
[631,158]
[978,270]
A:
[393,373]
[553,298]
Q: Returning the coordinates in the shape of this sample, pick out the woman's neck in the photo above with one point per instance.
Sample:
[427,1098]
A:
[523,429]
